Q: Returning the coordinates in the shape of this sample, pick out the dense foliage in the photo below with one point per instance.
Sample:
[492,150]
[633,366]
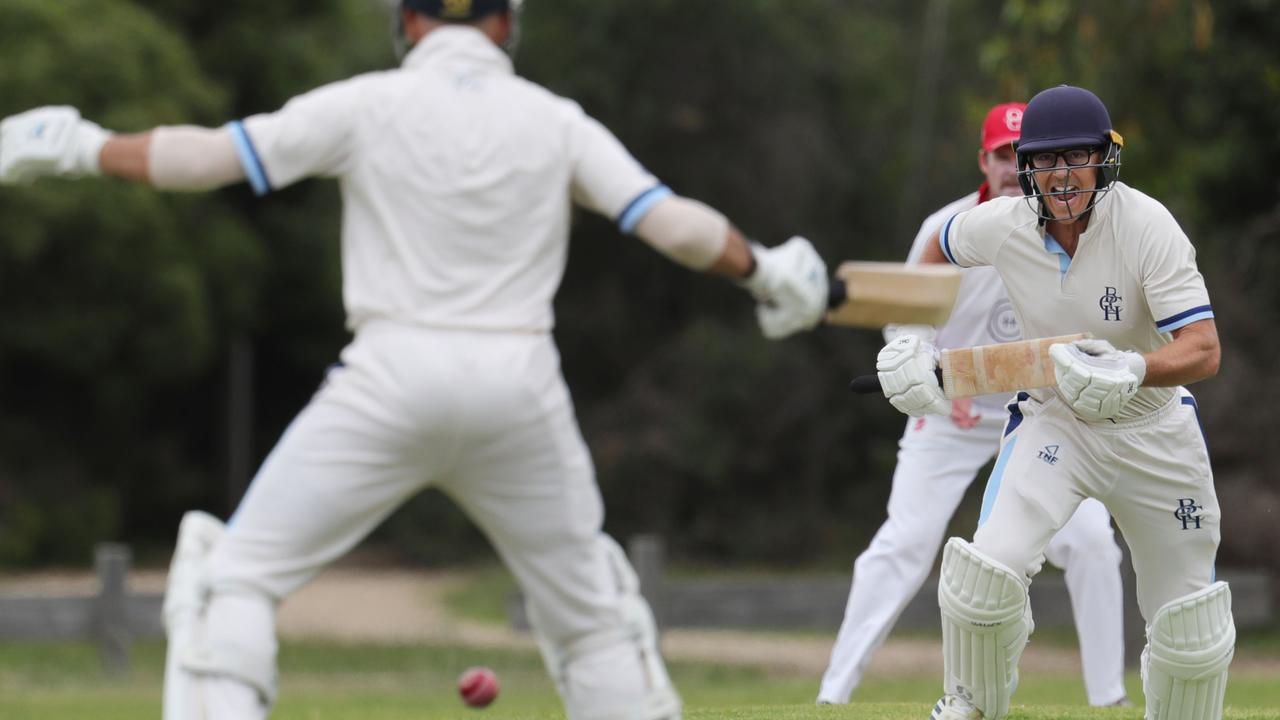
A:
[843,121]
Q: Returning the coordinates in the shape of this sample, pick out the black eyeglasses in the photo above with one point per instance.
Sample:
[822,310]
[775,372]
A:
[1075,157]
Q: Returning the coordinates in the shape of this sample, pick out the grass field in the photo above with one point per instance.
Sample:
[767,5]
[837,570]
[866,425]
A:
[322,681]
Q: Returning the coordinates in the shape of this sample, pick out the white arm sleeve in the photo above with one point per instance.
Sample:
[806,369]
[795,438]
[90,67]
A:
[193,158]
[687,231]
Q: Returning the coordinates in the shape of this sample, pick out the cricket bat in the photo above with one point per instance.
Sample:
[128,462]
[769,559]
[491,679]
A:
[986,369]
[875,294]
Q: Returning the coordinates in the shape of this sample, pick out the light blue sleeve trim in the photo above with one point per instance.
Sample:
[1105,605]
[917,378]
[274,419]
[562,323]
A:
[1183,322]
[249,160]
[640,206]
[945,240]
[993,482]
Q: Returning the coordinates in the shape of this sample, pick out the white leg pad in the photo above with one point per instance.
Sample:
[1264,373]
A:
[986,619]
[1190,643]
[618,674]
[220,660]
[184,601]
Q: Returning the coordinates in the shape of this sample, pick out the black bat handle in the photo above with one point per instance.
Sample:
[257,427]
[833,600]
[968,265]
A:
[866,385]
[870,384]
[837,293]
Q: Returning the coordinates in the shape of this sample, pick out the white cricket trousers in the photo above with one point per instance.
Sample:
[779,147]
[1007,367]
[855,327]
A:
[937,461]
[1152,473]
[484,417]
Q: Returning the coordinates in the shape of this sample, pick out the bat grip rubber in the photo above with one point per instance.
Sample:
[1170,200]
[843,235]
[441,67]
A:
[837,293]
[870,384]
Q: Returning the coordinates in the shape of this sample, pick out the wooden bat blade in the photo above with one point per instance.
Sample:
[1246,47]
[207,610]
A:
[988,369]
[879,293]
[1001,368]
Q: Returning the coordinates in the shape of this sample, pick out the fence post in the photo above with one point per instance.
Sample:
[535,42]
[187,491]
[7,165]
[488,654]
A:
[648,557]
[110,622]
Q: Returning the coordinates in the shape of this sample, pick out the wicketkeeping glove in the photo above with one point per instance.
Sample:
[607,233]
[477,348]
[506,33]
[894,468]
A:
[790,285]
[1096,379]
[51,140]
[906,370]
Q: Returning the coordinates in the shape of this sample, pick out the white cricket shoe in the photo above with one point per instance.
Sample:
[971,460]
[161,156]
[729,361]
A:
[954,707]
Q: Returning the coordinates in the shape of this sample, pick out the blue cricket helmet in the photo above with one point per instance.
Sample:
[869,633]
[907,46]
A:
[1065,117]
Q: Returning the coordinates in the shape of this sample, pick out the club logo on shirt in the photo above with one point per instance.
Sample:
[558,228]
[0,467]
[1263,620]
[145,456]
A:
[1050,454]
[1003,323]
[1187,513]
[1110,304]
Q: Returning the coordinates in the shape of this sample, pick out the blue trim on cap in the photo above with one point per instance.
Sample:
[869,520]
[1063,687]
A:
[993,482]
[945,240]
[640,206]
[1052,245]
[249,159]
[1184,318]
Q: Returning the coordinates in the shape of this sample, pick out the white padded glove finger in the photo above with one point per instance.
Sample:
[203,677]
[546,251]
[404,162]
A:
[906,370]
[51,140]
[1096,379]
[790,285]
[927,333]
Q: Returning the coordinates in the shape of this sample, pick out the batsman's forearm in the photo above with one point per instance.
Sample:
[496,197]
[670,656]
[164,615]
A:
[184,158]
[1194,355]
[736,259]
[127,157]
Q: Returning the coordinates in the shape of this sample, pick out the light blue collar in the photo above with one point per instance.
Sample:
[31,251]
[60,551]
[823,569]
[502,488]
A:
[1051,245]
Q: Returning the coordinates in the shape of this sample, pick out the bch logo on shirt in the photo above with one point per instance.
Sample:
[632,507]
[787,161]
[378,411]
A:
[1110,304]
[1186,512]
[1050,454]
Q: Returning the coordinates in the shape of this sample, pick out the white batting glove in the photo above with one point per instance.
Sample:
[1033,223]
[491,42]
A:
[790,285]
[927,333]
[1096,379]
[52,140]
[906,370]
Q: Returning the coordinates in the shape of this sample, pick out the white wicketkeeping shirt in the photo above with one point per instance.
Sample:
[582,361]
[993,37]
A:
[457,178]
[982,314]
[1133,279]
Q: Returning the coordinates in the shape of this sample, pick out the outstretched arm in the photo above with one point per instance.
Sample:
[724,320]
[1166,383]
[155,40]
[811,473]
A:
[789,281]
[174,158]
[56,141]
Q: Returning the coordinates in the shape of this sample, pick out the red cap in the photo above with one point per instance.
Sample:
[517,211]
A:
[1002,126]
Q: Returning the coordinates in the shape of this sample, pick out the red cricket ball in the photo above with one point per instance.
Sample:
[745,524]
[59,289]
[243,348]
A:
[478,686]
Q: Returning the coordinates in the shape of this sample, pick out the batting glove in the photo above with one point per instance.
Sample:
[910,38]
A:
[790,285]
[1095,379]
[906,370]
[52,140]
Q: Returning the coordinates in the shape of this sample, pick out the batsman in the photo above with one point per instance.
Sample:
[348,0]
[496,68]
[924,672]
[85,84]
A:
[457,180]
[1083,252]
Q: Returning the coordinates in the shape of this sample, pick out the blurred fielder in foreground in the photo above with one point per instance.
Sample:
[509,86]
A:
[939,458]
[457,179]
[1082,252]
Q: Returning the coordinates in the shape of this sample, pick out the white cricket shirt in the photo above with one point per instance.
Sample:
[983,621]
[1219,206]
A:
[457,178]
[1133,279]
[982,314]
